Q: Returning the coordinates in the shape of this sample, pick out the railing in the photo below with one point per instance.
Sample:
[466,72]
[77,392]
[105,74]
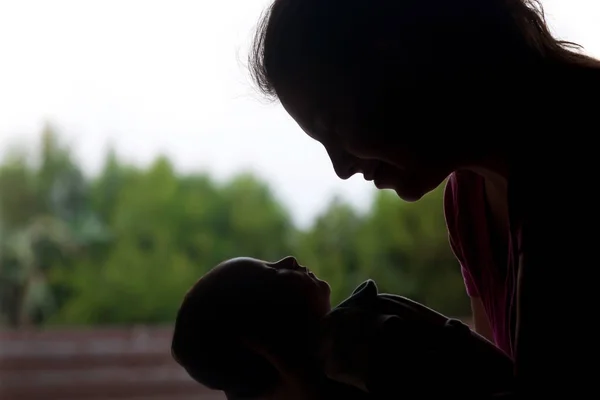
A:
[98,364]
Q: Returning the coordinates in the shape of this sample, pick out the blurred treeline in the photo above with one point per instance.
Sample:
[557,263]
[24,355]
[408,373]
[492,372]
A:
[124,246]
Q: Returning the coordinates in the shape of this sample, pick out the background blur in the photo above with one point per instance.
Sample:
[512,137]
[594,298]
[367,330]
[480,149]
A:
[136,156]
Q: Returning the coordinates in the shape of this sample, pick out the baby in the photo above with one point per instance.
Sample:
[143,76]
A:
[262,330]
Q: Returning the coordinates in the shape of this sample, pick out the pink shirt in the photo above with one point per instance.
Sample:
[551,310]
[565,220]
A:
[467,221]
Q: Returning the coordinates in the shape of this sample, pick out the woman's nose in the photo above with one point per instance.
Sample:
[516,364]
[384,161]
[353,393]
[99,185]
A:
[343,163]
[344,171]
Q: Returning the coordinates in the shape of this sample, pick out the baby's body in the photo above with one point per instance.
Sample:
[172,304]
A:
[269,326]
[390,346]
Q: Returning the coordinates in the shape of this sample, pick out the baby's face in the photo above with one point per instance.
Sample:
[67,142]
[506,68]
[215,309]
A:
[287,277]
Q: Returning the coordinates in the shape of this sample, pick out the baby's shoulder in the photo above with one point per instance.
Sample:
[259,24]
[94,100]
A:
[364,294]
[357,317]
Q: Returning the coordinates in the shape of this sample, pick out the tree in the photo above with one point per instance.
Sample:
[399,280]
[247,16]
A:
[124,246]
[34,232]
[168,230]
[256,225]
[330,248]
[405,248]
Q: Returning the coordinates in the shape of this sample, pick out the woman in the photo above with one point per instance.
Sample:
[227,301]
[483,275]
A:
[409,92]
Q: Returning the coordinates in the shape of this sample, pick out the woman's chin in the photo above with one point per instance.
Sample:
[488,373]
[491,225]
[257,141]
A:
[410,198]
[414,188]
[409,193]
[379,184]
[402,192]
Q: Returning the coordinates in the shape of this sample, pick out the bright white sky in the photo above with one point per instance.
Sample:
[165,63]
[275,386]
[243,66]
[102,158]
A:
[167,77]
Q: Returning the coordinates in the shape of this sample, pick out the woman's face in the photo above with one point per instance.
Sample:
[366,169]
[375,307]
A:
[398,144]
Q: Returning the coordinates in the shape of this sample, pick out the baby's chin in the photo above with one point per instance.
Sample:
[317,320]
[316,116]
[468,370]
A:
[322,295]
[324,307]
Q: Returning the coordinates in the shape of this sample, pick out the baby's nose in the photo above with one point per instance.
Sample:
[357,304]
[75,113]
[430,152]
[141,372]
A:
[288,262]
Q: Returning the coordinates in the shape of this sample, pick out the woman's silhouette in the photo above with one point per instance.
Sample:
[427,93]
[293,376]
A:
[409,92]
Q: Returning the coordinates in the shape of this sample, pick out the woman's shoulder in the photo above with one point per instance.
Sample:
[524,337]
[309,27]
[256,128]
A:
[465,214]
[461,183]
[464,193]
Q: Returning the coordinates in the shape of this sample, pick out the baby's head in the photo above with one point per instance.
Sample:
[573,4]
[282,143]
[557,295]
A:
[245,304]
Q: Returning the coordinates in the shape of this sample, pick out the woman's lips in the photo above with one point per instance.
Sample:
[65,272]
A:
[383,180]
[371,172]
[369,175]
[380,184]
[386,176]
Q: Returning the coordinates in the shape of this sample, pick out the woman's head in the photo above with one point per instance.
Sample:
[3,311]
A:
[395,89]
[243,305]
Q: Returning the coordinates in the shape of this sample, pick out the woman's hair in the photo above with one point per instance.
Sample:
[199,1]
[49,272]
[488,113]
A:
[325,40]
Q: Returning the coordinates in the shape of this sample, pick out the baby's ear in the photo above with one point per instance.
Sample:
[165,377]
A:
[288,373]
[260,351]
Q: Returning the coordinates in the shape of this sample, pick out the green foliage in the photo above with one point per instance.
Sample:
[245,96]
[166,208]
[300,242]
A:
[124,246]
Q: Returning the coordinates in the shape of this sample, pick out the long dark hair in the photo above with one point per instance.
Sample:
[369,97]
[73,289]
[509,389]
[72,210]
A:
[329,38]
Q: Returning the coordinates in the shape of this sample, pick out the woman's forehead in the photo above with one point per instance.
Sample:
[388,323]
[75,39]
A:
[299,108]
[314,113]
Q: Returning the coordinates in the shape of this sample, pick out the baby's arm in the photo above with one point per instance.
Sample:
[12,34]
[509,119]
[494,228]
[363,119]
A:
[381,354]
[388,356]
